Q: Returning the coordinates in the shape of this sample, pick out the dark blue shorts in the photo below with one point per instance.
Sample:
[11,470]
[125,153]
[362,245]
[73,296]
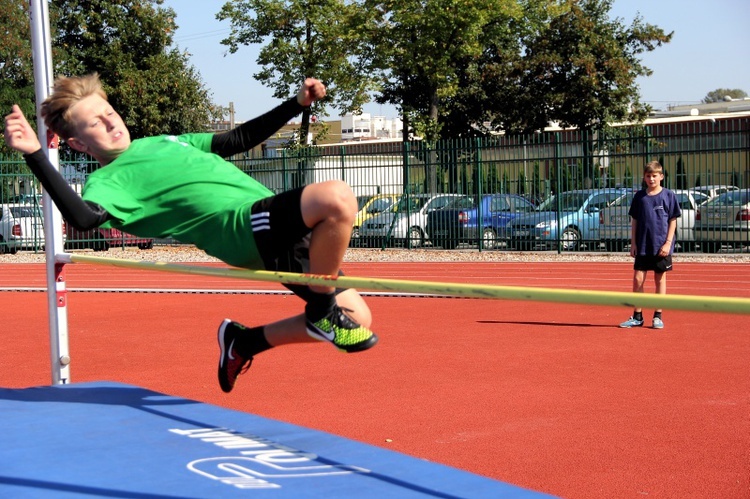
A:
[658,264]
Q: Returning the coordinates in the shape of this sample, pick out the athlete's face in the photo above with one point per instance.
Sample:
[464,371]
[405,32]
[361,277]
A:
[653,179]
[100,131]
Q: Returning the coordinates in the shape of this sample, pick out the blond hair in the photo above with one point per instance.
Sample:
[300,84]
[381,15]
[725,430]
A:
[67,92]
[653,167]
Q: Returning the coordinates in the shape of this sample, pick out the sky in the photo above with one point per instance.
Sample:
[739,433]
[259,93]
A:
[709,50]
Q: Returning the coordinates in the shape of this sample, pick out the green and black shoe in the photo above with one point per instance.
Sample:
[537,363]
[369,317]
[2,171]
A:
[345,334]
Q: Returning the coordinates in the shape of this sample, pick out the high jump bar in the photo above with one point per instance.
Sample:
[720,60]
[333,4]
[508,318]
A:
[606,298]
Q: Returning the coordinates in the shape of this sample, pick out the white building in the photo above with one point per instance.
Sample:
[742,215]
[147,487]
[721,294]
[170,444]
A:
[364,126]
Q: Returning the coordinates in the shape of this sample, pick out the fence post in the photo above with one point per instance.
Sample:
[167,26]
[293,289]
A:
[558,176]
[479,190]
[342,155]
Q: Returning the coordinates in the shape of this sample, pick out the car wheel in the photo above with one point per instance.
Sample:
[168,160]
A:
[570,239]
[146,246]
[415,237]
[3,246]
[489,238]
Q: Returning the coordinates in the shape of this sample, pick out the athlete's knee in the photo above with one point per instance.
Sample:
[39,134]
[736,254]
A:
[339,200]
[356,306]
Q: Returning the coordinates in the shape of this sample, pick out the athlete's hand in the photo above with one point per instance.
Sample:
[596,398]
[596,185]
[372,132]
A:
[311,91]
[18,133]
[664,250]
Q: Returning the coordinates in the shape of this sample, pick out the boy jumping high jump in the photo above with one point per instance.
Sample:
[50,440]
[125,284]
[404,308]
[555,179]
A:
[181,187]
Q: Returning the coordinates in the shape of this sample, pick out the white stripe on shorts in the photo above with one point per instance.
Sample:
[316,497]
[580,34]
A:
[261,221]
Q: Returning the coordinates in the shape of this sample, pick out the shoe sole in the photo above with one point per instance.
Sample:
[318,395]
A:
[359,347]
[631,327]
[222,350]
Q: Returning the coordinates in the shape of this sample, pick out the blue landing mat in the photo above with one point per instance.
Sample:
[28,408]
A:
[114,440]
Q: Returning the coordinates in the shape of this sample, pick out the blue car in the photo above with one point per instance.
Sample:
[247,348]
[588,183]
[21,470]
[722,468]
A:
[570,219]
[459,222]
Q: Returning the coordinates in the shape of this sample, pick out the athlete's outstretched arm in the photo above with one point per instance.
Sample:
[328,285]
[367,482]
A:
[253,132]
[20,136]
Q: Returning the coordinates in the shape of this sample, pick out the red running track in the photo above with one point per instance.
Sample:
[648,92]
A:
[551,397]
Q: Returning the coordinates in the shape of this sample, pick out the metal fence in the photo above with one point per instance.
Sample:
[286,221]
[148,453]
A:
[496,193]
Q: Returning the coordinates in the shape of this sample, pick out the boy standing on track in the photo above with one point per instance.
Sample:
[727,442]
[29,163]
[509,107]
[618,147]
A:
[181,187]
[653,214]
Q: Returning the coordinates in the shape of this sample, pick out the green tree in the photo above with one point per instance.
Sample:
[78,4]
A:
[720,94]
[129,43]
[303,39]
[16,71]
[583,70]
[583,67]
[491,94]
[421,47]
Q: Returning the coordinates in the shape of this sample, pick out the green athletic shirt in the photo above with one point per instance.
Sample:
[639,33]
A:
[173,186]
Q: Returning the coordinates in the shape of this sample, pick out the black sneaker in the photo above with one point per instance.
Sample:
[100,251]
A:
[345,334]
[231,364]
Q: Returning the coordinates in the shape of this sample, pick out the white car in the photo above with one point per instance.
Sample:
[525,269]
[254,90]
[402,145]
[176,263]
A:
[714,190]
[724,220]
[614,221]
[21,227]
[405,223]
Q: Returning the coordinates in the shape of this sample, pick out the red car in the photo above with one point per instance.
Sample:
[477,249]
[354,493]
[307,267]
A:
[103,239]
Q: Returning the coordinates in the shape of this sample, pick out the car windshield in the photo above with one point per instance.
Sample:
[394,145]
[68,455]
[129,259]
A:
[625,200]
[732,198]
[410,204]
[362,201]
[23,211]
[700,198]
[568,201]
[462,203]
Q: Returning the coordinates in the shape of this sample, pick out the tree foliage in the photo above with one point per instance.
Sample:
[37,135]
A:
[584,66]
[515,65]
[128,42]
[303,39]
[720,94]
[454,69]
[425,49]
[16,71]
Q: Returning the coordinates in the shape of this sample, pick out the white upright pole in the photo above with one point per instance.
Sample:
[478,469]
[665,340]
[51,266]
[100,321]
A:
[53,238]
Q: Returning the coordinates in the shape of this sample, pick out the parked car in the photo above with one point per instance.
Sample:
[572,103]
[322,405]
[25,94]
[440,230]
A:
[714,190]
[572,217]
[21,227]
[372,205]
[26,199]
[459,222]
[406,222]
[614,221]
[102,239]
[724,219]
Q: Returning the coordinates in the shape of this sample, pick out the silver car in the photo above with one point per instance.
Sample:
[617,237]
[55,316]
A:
[715,190]
[21,227]
[724,219]
[614,221]
[405,223]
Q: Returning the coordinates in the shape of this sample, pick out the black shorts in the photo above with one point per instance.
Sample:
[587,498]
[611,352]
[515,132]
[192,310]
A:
[282,238]
[658,264]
